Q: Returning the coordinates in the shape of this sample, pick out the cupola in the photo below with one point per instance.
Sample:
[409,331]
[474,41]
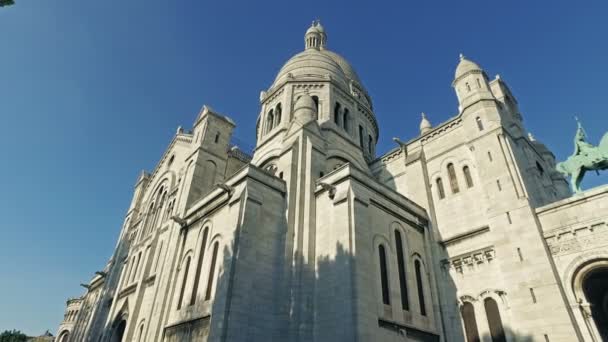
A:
[315,37]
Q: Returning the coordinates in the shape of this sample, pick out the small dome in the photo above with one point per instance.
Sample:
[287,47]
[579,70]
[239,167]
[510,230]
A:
[305,109]
[425,124]
[466,66]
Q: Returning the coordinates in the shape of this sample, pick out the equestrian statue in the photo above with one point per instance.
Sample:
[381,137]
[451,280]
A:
[586,157]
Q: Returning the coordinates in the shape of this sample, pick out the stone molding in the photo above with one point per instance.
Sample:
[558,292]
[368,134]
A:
[468,261]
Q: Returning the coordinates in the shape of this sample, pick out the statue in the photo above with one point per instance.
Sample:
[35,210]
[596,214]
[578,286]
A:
[586,157]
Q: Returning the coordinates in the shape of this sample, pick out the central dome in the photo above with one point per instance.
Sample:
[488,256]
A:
[317,62]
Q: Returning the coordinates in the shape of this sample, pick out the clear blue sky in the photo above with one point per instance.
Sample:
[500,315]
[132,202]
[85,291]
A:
[91,92]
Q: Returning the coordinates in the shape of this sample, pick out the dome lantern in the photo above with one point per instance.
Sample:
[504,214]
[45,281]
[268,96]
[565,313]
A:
[315,37]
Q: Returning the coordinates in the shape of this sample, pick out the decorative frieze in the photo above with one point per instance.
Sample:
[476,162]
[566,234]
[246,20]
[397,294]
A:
[469,261]
[577,238]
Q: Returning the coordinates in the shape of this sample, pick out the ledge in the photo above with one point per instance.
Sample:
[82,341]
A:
[465,235]
[409,331]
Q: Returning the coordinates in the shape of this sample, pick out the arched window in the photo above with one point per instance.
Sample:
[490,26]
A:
[212,271]
[467,176]
[470,325]
[345,120]
[269,121]
[337,113]
[361,135]
[440,190]
[420,286]
[405,305]
[183,287]
[316,99]
[384,276]
[199,266]
[453,179]
[479,123]
[494,322]
[277,115]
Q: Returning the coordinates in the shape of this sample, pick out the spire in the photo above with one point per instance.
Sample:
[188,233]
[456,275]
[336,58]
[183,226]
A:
[425,125]
[315,37]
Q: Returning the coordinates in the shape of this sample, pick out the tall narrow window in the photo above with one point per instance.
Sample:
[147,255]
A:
[478,83]
[183,287]
[384,276]
[479,123]
[278,114]
[494,322]
[160,251]
[468,86]
[453,179]
[199,266]
[269,121]
[467,176]
[217,138]
[405,305]
[370,143]
[360,135]
[346,120]
[420,286]
[316,99]
[337,113]
[141,333]
[211,271]
[470,325]
[540,169]
[134,271]
[440,190]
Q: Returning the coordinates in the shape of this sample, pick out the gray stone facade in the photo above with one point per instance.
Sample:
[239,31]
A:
[465,233]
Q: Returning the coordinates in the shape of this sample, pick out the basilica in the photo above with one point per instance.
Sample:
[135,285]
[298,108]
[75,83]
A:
[467,232]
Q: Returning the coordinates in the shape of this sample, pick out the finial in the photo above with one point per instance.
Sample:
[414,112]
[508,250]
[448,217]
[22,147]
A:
[531,137]
[461,56]
[423,115]
[497,76]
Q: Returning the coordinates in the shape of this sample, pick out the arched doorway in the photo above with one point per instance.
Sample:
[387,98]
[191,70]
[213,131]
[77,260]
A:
[63,337]
[119,331]
[595,289]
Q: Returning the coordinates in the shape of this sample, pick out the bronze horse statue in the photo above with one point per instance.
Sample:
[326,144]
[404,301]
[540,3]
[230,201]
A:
[586,157]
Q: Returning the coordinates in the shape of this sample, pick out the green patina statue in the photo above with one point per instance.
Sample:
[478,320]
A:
[586,157]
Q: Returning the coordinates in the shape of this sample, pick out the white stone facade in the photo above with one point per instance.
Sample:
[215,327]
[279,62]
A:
[464,233]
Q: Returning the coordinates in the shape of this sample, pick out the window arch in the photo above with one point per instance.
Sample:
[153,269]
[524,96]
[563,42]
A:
[453,179]
[199,266]
[141,332]
[337,113]
[494,321]
[212,270]
[440,190]
[405,305]
[467,310]
[479,123]
[183,287]
[384,275]
[467,176]
[420,287]
[277,115]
